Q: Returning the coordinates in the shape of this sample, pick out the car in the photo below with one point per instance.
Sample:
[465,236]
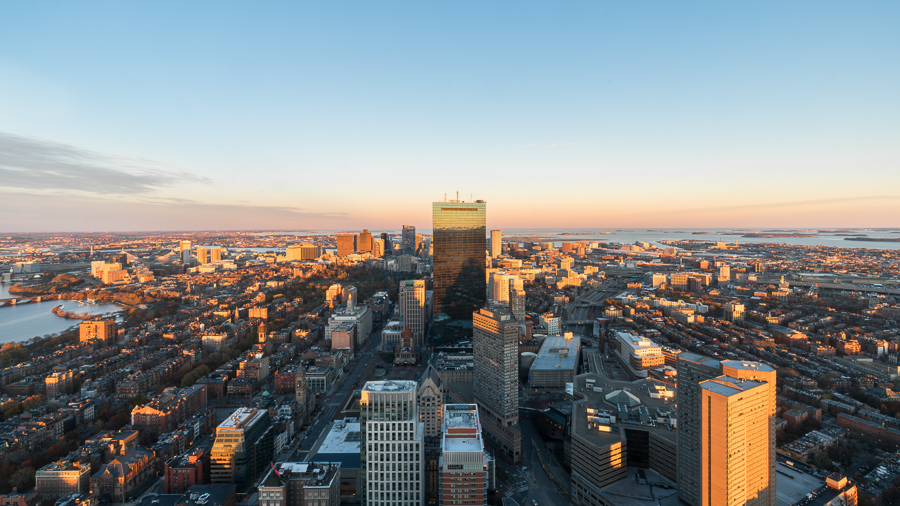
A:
[534,502]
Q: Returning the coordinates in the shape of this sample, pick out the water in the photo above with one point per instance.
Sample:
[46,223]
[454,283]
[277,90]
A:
[630,235]
[20,323]
[654,236]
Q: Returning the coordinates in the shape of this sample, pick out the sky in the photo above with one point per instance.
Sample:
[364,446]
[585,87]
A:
[223,115]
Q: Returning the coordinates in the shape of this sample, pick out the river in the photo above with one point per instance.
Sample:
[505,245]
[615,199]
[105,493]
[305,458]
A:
[21,323]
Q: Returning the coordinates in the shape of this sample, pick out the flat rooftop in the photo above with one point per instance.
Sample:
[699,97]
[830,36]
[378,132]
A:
[556,353]
[637,342]
[792,485]
[728,386]
[637,412]
[699,359]
[459,445]
[240,418]
[642,487]
[390,386]
[343,437]
[747,365]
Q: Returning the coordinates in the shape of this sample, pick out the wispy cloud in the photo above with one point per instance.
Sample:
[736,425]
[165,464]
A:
[73,213]
[39,164]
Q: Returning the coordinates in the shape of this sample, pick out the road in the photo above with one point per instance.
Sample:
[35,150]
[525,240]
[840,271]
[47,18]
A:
[332,402]
[538,485]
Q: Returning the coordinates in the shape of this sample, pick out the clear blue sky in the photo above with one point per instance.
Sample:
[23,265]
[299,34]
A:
[331,115]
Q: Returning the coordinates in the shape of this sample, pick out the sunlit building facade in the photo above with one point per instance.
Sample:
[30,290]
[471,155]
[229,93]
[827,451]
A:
[391,446]
[243,447]
[459,257]
[495,345]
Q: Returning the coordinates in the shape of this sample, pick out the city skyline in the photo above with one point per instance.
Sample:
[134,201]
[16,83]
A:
[172,117]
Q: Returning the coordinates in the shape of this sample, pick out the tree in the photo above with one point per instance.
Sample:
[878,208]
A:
[23,479]
[32,402]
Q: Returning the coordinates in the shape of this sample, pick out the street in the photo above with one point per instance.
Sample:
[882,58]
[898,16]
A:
[332,403]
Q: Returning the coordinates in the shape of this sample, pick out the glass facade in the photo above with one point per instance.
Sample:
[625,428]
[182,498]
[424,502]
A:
[459,258]
[408,240]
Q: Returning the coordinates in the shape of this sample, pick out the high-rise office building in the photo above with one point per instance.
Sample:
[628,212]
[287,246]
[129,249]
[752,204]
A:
[500,284]
[378,247]
[215,254]
[495,345]
[496,243]
[201,255]
[517,299]
[408,240]
[459,232]
[726,431]
[391,444]
[243,447]
[412,308]
[388,243]
[464,470]
[364,242]
[346,244]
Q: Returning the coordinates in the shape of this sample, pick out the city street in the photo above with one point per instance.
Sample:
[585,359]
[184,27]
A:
[530,481]
[332,403]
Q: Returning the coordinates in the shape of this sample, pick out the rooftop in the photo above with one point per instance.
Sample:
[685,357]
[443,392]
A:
[557,352]
[634,404]
[728,386]
[637,342]
[390,386]
[343,438]
[747,365]
[240,418]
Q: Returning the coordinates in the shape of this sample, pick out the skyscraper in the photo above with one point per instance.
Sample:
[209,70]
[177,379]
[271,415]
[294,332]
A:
[692,370]
[408,240]
[388,244]
[391,446]
[459,232]
[412,308]
[364,241]
[496,243]
[726,431]
[495,345]
[346,244]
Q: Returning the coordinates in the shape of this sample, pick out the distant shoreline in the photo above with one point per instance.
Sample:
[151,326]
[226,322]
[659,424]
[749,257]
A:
[873,239]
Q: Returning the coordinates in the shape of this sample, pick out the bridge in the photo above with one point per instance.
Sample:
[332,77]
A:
[18,301]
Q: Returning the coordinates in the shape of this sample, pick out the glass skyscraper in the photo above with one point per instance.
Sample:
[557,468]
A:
[459,258]
[408,240]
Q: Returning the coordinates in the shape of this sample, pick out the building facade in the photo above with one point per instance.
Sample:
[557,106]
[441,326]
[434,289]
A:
[413,309]
[459,253]
[97,330]
[465,470]
[243,447]
[495,344]
[391,445]
[408,240]
[496,243]
[726,418]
